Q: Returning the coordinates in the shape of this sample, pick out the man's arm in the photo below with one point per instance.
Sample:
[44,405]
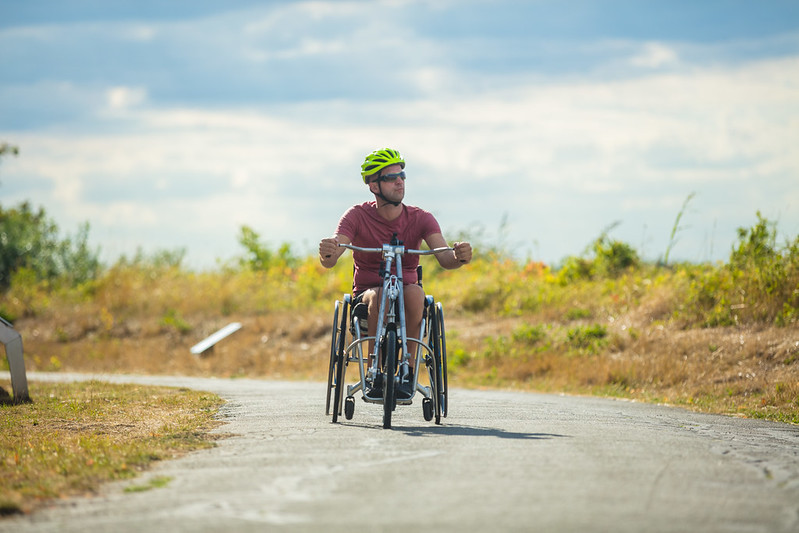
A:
[330,251]
[449,260]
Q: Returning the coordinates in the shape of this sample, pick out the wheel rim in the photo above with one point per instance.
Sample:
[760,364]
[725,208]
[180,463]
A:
[443,339]
[333,344]
[338,394]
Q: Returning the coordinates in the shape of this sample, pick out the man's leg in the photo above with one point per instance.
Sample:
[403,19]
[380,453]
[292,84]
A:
[414,307]
[371,297]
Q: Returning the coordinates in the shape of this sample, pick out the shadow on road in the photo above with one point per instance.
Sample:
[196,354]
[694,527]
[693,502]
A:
[473,431]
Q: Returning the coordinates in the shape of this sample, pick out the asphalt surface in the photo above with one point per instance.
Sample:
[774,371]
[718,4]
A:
[501,461]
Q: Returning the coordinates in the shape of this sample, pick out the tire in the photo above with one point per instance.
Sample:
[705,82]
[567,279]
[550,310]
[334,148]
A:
[443,350]
[349,407]
[332,366]
[338,395]
[427,409]
[389,363]
[430,363]
[436,376]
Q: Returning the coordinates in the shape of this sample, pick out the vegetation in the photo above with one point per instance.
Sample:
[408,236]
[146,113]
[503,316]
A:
[31,248]
[75,436]
[717,337]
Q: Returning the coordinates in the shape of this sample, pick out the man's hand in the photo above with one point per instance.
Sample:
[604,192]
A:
[328,251]
[463,252]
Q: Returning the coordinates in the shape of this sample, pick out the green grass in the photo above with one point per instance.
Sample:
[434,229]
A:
[154,483]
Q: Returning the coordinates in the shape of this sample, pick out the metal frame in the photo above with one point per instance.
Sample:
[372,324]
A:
[392,306]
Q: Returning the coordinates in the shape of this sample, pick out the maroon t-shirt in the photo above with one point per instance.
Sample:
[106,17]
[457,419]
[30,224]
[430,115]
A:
[365,227]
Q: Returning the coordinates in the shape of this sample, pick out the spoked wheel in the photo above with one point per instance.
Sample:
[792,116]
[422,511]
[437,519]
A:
[340,363]
[443,349]
[389,365]
[333,346]
[438,378]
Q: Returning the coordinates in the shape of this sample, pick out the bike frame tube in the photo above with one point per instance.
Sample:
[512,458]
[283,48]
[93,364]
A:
[393,293]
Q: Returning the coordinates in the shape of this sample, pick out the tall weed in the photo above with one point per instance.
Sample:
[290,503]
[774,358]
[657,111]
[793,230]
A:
[759,284]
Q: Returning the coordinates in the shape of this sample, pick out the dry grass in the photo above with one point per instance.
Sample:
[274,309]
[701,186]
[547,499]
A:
[644,333]
[740,371]
[73,437]
[749,371]
[280,345]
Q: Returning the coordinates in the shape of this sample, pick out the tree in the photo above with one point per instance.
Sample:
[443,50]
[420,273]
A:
[30,240]
[259,256]
[6,148]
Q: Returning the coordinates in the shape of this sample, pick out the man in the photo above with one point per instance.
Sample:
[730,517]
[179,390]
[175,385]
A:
[372,224]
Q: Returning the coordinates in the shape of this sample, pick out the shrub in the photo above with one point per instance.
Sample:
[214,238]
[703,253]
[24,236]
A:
[759,284]
[529,334]
[259,256]
[607,258]
[588,338]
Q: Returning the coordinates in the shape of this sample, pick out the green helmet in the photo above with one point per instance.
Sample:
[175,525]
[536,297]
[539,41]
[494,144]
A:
[380,159]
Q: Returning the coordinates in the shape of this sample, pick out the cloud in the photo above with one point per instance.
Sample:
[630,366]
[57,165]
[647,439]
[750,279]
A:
[655,55]
[569,156]
[125,97]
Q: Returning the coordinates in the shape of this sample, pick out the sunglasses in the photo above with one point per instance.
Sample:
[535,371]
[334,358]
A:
[391,178]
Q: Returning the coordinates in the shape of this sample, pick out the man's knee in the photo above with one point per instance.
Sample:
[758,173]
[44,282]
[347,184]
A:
[414,299]
[414,291]
[370,297]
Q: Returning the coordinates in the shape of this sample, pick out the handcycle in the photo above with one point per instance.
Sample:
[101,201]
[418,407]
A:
[390,359]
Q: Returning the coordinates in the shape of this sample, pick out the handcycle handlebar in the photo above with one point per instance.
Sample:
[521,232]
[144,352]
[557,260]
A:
[397,249]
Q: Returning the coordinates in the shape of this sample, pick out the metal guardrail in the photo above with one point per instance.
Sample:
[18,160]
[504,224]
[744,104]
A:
[12,341]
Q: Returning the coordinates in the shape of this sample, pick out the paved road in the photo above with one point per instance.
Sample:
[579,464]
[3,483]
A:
[502,461]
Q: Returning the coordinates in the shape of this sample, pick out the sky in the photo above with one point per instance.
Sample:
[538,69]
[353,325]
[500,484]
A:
[535,126]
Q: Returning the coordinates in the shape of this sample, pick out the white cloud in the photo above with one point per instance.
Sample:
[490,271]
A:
[142,32]
[240,178]
[125,97]
[655,55]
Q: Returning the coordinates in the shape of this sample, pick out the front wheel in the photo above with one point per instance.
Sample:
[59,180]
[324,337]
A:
[389,362]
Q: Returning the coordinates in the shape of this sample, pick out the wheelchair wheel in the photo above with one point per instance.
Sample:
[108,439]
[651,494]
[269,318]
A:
[389,369]
[443,349]
[340,363]
[438,372]
[349,407]
[332,367]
